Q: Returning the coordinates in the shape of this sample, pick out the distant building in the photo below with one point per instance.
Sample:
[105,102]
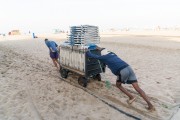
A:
[2,34]
[57,31]
[14,32]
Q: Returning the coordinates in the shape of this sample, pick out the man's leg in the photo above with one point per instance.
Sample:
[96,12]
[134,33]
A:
[56,59]
[119,85]
[55,62]
[143,95]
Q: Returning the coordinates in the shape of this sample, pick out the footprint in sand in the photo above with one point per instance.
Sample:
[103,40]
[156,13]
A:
[87,118]
[13,118]
[64,106]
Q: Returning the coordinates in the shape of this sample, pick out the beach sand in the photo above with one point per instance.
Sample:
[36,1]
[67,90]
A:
[31,88]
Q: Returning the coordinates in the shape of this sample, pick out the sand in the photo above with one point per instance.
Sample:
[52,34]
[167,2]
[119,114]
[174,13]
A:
[31,87]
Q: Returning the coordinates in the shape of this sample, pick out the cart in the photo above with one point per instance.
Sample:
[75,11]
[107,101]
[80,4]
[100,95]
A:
[73,59]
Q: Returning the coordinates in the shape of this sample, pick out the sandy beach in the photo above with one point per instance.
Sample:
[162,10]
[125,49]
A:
[31,87]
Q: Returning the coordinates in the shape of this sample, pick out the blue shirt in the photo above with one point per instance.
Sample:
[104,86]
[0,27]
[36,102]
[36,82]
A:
[114,63]
[52,46]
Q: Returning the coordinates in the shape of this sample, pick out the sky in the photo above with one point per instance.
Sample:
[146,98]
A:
[46,15]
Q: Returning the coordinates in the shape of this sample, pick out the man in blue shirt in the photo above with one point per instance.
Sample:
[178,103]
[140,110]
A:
[123,71]
[53,51]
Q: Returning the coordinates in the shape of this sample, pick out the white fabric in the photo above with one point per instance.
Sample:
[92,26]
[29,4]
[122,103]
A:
[104,52]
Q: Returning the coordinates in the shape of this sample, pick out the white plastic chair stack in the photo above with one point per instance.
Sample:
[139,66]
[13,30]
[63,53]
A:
[84,35]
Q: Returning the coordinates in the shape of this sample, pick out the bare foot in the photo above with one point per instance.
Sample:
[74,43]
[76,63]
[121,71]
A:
[130,101]
[58,68]
[151,108]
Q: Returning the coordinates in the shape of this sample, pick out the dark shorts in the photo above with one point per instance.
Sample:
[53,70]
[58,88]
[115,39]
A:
[54,55]
[126,76]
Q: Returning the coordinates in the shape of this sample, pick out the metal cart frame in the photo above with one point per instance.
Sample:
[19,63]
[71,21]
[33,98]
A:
[93,68]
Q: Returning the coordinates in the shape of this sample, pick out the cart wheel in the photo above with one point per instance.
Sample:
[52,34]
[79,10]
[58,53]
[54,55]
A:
[98,77]
[64,73]
[82,81]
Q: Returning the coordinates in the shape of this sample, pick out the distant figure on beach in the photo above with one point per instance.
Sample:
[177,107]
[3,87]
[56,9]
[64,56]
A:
[34,36]
[53,51]
[123,71]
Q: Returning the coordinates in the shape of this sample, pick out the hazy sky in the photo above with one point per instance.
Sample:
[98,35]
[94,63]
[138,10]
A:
[44,15]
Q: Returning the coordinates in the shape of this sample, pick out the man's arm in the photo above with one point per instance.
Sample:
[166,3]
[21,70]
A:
[51,49]
[56,45]
[89,54]
[58,49]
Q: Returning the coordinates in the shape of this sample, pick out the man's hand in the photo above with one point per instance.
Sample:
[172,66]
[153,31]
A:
[58,48]
[86,50]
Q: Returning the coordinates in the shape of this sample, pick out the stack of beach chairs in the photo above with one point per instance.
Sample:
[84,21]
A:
[73,51]
[84,35]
